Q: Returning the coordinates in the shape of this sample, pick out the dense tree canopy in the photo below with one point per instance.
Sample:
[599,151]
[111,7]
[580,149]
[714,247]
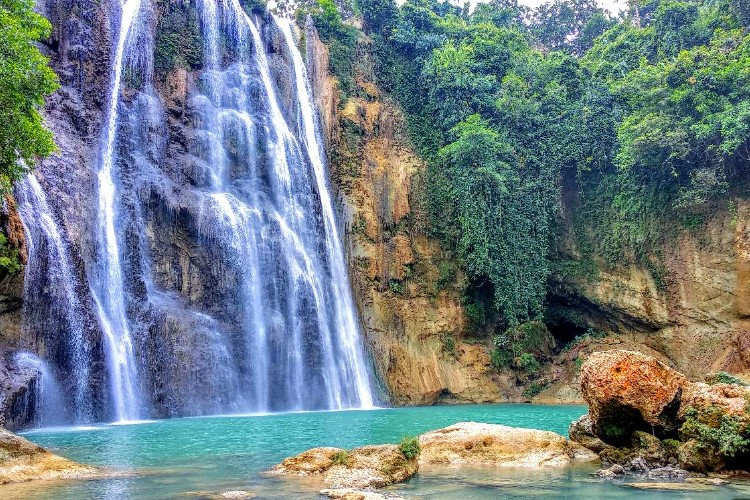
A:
[646,115]
[25,79]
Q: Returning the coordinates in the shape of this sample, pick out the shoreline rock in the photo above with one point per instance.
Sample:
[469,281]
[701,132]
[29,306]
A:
[21,461]
[648,418]
[498,445]
[347,473]
[365,467]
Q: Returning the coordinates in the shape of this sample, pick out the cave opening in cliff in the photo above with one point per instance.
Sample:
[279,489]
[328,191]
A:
[563,328]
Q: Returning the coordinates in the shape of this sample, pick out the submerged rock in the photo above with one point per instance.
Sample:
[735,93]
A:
[352,494]
[22,460]
[492,444]
[365,467]
[612,472]
[684,486]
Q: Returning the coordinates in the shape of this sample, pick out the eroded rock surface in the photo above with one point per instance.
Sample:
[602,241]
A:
[491,444]
[365,467]
[621,386]
[644,415]
[22,460]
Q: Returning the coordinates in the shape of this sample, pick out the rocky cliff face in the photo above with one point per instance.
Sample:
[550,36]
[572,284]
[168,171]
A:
[693,315]
[412,315]
[690,310]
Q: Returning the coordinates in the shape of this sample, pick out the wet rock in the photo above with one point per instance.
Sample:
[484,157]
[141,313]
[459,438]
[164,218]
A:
[692,456]
[612,472]
[635,400]
[352,494]
[17,382]
[22,460]
[667,472]
[649,447]
[728,399]
[365,467]
[690,487]
[237,494]
[582,432]
[491,444]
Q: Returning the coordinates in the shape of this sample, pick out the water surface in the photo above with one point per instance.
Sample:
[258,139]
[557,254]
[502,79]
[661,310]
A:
[191,457]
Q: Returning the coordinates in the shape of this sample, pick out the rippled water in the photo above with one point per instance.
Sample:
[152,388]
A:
[194,457]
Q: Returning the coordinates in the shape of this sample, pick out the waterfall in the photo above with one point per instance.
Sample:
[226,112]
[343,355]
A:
[354,362]
[277,218]
[45,393]
[107,282]
[218,275]
[50,292]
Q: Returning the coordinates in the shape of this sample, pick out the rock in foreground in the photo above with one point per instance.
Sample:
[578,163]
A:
[22,460]
[499,445]
[645,415]
[468,443]
[622,385]
[365,467]
[352,494]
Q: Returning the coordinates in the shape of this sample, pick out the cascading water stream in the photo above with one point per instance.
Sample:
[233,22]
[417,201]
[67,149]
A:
[287,215]
[107,285]
[354,360]
[50,269]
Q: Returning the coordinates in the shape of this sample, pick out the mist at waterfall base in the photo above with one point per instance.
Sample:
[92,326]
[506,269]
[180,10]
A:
[280,332]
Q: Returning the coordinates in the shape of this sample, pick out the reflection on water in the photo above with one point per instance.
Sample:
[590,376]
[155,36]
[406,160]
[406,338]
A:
[193,457]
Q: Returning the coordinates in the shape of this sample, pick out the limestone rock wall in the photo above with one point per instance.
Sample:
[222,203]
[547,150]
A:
[414,324]
[693,315]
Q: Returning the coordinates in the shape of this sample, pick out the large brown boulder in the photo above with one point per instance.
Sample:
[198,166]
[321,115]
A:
[624,388]
[498,445]
[635,402]
[22,460]
[365,467]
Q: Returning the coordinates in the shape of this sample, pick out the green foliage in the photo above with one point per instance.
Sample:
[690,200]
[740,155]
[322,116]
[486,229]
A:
[724,378]
[396,286]
[378,16]
[341,40]
[646,119]
[569,25]
[475,313]
[528,363]
[727,437]
[341,458]
[590,333]
[25,80]
[449,343]
[533,389]
[254,6]
[409,446]
[578,363]
[446,274]
[178,40]
[671,444]
[500,358]
[10,261]
[613,432]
